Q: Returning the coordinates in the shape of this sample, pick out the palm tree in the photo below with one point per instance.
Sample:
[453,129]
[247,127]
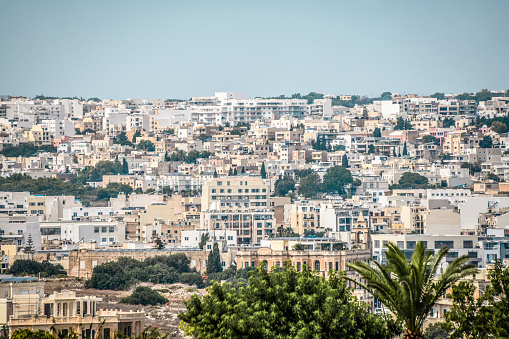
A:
[409,289]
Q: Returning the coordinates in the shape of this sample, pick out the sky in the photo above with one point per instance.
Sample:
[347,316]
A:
[178,49]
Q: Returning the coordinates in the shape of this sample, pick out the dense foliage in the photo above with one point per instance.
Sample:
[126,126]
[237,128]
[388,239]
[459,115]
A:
[144,295]
[335,181]
[48,186]
[104,167]
[122,274]
[410,289]
[122,139]
[23,267]
[191,157]
[411,180]
[146,145]
[284,185]
[112,190]
[214,260]
[310,186]
[283,304]
[26,150]
[436,331]
[485,317]
[25,333]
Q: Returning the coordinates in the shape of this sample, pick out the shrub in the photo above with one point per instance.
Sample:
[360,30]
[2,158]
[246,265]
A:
[143,295]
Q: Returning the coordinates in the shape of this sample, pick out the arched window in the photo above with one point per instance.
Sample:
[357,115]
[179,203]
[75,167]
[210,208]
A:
[298,266]
[317,265]
[278,264]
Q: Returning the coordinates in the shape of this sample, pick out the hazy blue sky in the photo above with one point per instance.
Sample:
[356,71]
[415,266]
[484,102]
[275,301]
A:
[179,49]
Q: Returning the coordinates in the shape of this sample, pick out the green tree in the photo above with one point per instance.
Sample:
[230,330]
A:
[29,248]
[136,135]
[386,96]
[371,149]
[448,122]
[263,173]
[25,333]
[336,178]
[344,161]
[144,295]
[499,127]
[146,145]
[158,244]
[121,139]
[486,142]
[377,133]
[284,304]
[23,267]
[412,180]
[426,139]
[436,331]
[203,240]
[125,167]
[485,317]
[215,174]
[214,260]
[310,186]
[410,289]
[298,247]
[110,276]
[438,95]
[405,150]
[26,150]
[284,185]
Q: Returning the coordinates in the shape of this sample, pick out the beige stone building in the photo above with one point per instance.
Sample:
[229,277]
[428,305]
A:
[241,191]
[83,261]
[66,312]
[321,261]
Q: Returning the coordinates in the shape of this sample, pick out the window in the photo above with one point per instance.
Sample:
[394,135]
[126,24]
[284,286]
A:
[104,229]
[112,229]
[317,265]
[377,243]
[112,239]
[410,245]
[468,244]
[103,239]
[443,243]
[96,229]
[298,266]
[401,245]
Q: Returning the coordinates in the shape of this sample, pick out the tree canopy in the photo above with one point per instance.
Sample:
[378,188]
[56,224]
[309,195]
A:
[412,180]
[283,304]
[410,289]
[284,185]
[23,267]
[310,185]
[122,274]
[485,317]
[144,295]
[336,179]
[26,150]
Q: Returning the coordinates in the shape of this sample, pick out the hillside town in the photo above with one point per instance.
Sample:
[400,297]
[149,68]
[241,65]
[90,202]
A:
[318,181]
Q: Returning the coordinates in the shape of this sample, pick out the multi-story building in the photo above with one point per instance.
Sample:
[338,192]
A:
[238,191]
[252,225]
[65,312]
